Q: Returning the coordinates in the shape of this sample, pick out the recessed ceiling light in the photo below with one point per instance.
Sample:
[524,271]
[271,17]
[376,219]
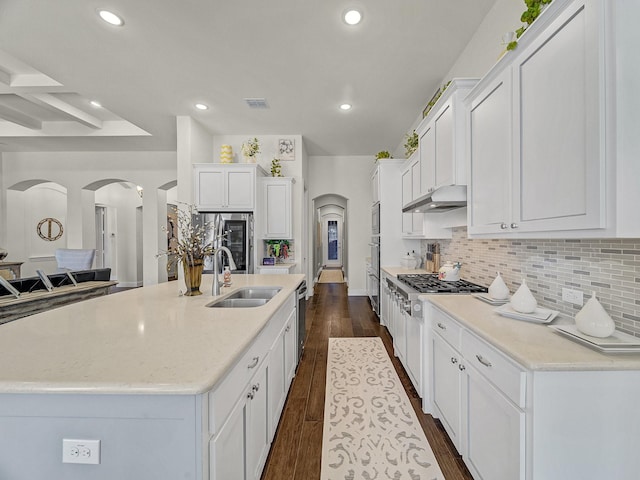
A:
[345,106]
[201,106]
[352,17]
[95,104]
[111,18]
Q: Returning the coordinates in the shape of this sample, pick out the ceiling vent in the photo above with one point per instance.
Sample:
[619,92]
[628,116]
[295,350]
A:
[257,102]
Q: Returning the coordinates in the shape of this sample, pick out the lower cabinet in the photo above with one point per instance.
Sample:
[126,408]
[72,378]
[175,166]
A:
[413,357]
[478,394]
[245,408]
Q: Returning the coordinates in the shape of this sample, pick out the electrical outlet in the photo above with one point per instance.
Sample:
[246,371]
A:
[80,451]
[573,296]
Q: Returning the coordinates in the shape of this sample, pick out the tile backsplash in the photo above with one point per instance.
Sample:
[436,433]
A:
[610,267]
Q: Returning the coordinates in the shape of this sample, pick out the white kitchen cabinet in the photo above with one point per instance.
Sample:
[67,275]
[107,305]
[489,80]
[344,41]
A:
[412,223]
[479,395]
[224,187]
[277,208]
[384,301]
[442,139]
[447,387]
[414,351]
[542,130]
[375,186]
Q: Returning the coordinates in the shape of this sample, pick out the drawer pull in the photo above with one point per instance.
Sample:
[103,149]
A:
[441,326]
[462,368]
[514,225]
[250,395]
[454,360]
[503,226]
[256,387]
[483,361]
[254,362]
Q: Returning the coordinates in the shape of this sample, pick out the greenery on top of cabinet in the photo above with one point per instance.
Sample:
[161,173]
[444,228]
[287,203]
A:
[411,145]
[534,8]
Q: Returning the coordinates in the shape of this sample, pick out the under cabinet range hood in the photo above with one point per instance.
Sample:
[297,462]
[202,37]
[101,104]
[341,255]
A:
[443,199]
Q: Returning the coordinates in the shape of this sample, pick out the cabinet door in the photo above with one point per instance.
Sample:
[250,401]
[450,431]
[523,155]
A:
[407,185]
[226,450]
[257,432]
[559,152]
[414,352]
[444,146]
[210,188]
[415,179]
[375,187]
[489,150]
[290,349]
[277,209]
[240,189]
[384,302]
[400,340]
[447,388]
[494,431]
[427,160]
[276,383]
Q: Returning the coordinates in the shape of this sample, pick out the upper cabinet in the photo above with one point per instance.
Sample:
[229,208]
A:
[277,211]
[411,222]
[225,187]
[441,133]
[541,139]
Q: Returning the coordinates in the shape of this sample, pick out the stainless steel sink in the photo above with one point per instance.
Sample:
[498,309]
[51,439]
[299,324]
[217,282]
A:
[255,292]
[247,297]
[238,303]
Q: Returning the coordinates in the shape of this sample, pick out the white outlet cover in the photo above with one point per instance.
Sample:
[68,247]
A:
[80,451]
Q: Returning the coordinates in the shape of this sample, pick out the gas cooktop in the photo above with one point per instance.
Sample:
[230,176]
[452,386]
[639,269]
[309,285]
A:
[429,283]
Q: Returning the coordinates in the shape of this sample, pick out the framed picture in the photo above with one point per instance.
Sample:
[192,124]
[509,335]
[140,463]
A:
[287,149]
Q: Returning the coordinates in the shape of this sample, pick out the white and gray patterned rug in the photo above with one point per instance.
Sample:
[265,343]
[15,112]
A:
[370,429]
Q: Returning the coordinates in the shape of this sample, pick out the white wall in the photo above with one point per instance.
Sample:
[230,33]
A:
[74,171]
[350,177]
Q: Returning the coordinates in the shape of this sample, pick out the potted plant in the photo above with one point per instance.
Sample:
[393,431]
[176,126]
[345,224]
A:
[534,8]
[276,168]
[383,154]
[411,144]
[250,150]
[189,248]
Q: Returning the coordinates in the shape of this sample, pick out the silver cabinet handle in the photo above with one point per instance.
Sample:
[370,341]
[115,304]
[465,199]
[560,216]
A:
[441,326]
[256,387]
[503,226]
[454,360]
[250,395]
[483,361]
[462,367]
[254,362]
[514,225]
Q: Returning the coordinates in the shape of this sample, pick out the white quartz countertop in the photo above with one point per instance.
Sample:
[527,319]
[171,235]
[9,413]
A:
[278,266]
[149,340]
[534,346]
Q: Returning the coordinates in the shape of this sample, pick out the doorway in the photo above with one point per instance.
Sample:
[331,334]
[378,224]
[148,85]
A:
[332,241]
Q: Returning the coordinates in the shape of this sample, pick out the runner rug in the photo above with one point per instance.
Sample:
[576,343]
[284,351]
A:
[331,276]
[370,429]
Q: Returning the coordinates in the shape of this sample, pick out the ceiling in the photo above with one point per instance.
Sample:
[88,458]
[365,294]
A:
[297,54]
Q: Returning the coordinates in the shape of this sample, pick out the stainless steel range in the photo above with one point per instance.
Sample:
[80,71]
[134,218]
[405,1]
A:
[407,289]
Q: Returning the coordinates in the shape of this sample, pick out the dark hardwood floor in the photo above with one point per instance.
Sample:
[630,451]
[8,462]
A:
[296,449]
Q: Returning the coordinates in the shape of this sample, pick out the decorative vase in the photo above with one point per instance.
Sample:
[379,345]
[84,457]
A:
[593,320]
[193,276]
[226,154]
[523,300]
[249,158]
[498,290]
[3,254]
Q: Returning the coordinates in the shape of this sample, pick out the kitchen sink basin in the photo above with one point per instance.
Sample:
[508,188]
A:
[246,298]
[255,292]
[238,303]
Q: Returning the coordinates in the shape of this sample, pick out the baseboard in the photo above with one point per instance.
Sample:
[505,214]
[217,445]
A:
[129,284]
[357,293]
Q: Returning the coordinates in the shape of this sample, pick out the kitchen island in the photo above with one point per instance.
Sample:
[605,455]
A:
[158,378]
[520,401]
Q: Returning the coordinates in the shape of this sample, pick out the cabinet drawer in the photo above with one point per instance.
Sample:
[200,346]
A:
[498,369]
[447,327]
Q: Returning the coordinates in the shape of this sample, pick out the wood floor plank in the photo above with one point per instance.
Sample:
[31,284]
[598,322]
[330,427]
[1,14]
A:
[297,448]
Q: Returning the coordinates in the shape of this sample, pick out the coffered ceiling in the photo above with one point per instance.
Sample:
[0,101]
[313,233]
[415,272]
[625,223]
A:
[57,56]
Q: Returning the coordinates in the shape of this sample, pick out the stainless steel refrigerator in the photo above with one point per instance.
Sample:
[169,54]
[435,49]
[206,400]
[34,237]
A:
[237,231]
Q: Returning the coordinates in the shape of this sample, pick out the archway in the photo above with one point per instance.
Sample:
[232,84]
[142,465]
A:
[330,236]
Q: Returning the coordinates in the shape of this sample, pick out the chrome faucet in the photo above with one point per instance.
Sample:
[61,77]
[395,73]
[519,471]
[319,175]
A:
[215,290]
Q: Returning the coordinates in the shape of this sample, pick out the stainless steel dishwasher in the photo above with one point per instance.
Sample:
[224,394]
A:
[301,312]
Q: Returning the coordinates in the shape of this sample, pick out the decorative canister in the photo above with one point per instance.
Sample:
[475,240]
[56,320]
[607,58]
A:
[226,154]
